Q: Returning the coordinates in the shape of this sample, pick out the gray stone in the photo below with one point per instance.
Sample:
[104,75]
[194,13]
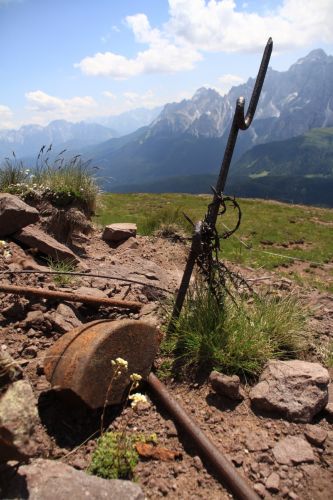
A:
[34,237]
[15,214]
[315,434]
[225,385]
[53,480]
[18,417]
[295,389]
[293,450]
[119,232]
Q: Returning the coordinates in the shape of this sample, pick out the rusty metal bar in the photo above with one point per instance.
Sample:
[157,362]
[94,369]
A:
[208,451]
[70,297]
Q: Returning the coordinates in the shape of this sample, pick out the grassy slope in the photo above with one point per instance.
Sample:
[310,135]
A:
[274,224]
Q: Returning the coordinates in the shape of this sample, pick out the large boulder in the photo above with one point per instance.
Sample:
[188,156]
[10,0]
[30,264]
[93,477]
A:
[297,390]
[53,480]
[15,214]
[34,237]
[18,418]
[119,232]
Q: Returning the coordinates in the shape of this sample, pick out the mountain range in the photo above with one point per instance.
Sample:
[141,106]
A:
[290,137]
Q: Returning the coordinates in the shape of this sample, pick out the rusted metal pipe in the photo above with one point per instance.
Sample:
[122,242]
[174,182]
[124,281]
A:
[208,451]
[70,297]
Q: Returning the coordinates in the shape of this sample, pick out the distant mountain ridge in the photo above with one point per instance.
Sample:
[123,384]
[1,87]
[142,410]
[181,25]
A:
[297,170]
[27,140]
[189,137]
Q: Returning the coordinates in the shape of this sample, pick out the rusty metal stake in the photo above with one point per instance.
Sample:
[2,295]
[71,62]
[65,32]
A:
[70,297]
[208,451]
[239,123]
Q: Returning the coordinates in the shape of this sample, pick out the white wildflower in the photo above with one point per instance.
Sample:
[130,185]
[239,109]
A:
[136,399]
[135,377]
[3,243]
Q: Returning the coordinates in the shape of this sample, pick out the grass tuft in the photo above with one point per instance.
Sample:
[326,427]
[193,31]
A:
[61,180]
[236,339]
[62,266]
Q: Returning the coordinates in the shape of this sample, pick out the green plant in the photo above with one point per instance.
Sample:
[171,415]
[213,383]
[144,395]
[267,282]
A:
[62,180]
[115,456]
[13,176]
[62,267]
[234,338]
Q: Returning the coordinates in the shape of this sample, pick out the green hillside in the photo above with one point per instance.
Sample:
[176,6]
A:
[270,236]
[309,155]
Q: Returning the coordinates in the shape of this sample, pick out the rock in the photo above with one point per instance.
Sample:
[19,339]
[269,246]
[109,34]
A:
[64,318]
[30,351]
[119,232]
[34,318]
[273,482]
[34,237]
[295,389]
[129,244]
[329,406]
[10,370]
[92,292]
[260,489]
[15,214]
[171,429]
[257,441]
[225,385]
[18,417]
[293,450]
[53,480]
[315,434]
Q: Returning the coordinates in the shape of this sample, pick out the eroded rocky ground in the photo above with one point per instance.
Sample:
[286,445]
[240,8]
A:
[254,443]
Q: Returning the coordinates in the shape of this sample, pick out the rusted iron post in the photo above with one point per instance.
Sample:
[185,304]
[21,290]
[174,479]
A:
[239,122]
[70,297]
[208,451]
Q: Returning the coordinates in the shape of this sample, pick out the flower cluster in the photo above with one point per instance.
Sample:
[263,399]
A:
[136,399]
[120,366]
[7,255]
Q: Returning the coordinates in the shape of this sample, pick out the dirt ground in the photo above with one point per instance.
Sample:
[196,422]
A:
[246,438]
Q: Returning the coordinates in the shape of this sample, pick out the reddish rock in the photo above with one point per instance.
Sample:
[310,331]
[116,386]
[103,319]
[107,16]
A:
[15,214]
[315,435]
[273,482]
[53,480]
[225,385]
[119,232]
[34,237]
[295,389]
[293,450]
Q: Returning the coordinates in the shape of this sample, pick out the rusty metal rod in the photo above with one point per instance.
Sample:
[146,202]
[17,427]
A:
[70,297]
[227,472]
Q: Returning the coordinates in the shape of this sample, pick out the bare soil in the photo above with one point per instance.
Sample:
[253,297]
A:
[246,438]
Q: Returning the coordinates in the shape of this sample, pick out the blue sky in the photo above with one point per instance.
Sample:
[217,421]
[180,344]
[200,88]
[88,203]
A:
[80,59]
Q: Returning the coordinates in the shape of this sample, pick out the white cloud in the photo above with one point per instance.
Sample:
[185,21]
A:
[6,116]
[197,26]
[227,81]
[109,94]
[47,107]
[215,25]
[161,56]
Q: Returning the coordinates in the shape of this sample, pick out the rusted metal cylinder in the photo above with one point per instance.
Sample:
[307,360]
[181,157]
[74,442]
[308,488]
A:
[70,297]
[79,362]
[208,451]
